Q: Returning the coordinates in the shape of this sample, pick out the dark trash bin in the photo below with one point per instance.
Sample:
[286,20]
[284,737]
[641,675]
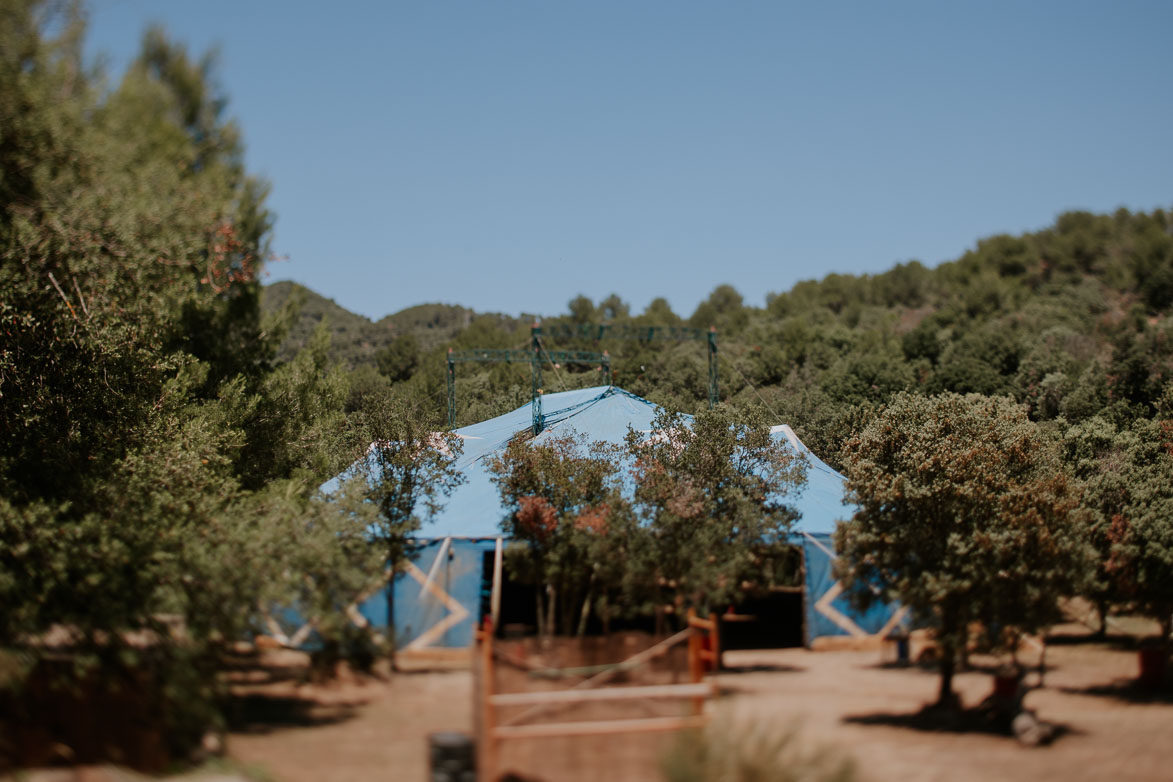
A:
[453,757]
[1152,666]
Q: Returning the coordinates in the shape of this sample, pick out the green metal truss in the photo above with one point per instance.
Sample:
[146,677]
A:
[537,354]
[645,334]
[608,331]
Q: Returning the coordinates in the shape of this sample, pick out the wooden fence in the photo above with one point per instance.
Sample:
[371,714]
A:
[704,654]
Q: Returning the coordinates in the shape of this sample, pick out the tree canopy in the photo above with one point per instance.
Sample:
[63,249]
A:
[713,496]
[682,516]
[156,460]
[571,527]
[965,514]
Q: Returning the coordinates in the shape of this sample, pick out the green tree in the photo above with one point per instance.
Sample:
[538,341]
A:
[722,309]
[712,495]
[965,514]
[142,418]
[614,309]
[659,313]
[571,524]
[1142,543]
[582,310]
[329,561]
[398,361]
[410,469]
[1128,474]
[1141,366]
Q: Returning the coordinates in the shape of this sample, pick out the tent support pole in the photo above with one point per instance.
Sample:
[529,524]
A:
[713,397]
[451,391]
[391,635]
[536,377]
[496,598]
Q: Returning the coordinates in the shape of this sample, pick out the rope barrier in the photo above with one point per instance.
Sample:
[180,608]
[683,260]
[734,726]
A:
[557,372]
[753,387]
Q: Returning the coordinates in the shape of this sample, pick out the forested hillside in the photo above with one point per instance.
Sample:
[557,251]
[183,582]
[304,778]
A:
[354,339]
[1072,321]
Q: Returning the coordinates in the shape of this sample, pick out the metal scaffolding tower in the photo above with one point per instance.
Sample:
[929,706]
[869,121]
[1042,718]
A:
[646,334]
[534,357]
[538,353]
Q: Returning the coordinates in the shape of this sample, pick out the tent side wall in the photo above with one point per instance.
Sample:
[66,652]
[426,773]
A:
[829,612]
[434,601]
[437,598]
[439,593]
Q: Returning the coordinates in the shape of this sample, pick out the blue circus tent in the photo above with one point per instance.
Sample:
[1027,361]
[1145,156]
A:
[441,594]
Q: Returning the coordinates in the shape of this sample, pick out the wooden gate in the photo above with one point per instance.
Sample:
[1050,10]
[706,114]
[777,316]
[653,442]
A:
[493,730]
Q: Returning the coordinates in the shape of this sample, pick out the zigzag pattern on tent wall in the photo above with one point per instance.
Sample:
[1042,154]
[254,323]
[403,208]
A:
[431,609]
[832,589]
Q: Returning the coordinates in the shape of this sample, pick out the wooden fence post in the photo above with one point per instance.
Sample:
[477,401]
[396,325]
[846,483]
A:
[487,768]
[716,641]
[696,666]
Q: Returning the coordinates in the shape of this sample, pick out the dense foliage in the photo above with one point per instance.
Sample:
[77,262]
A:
[156,460]
[965,515]
[688,515]
[1128,472]
[409,470]
[712,496]
[356,339]
[571,529]
[1072,321]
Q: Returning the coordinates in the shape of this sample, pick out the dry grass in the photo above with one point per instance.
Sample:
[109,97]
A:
[739,750]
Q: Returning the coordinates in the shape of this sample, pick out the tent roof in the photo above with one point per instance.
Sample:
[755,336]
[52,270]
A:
[600,413]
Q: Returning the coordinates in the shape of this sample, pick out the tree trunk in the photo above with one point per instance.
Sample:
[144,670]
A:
[586,608]
[566,608]
[586,612]
[948,664]
[391,619]
[1102,612]
[952,628]
[551,607]
[963,648]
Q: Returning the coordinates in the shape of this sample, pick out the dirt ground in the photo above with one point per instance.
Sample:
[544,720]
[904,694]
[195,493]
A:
[364,730]
[848,700]
[377,730]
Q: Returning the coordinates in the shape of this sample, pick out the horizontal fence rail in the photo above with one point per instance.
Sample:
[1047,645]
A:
[704,654]
[660,691]
[599,728]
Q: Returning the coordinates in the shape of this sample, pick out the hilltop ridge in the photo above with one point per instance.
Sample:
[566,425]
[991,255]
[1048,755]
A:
[356,339]
[1072,320]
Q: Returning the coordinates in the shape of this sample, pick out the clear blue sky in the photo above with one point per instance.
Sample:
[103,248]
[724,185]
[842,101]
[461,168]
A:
[510,155]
